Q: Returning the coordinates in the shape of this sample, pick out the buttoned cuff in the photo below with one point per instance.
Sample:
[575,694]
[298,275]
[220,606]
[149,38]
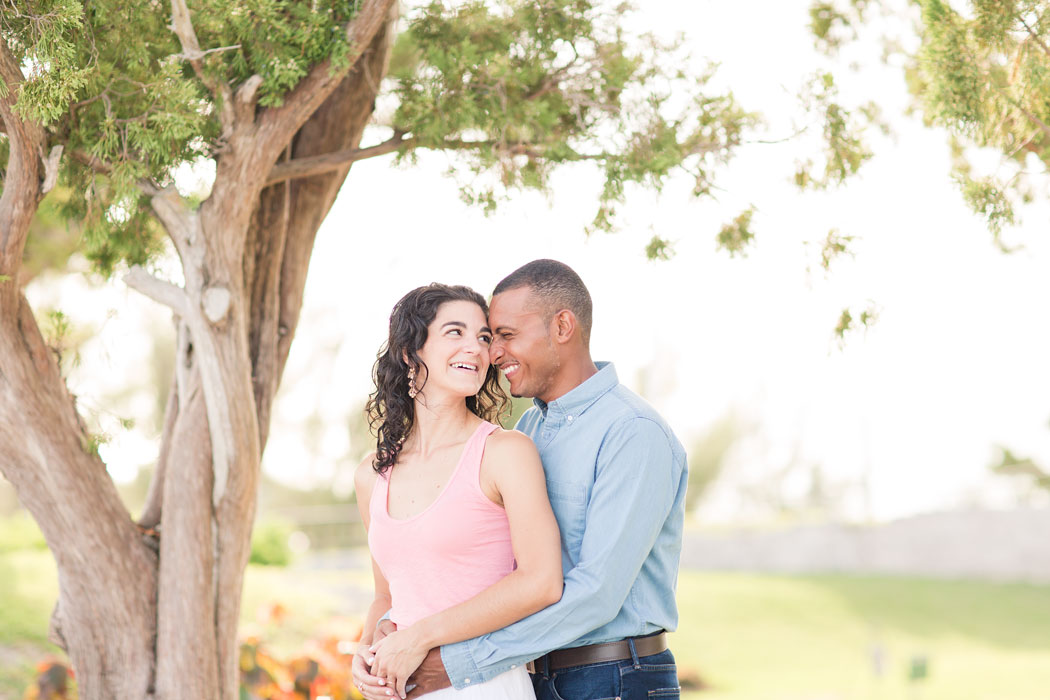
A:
[460,665]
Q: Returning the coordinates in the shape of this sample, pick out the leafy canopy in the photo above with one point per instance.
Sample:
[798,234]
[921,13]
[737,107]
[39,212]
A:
[982,71]
[524,87]
[108,80]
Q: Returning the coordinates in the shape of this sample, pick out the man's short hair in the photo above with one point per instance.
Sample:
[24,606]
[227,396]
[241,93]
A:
[555,286]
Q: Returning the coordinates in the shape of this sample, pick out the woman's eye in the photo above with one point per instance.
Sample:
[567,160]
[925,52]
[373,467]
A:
[487,339]
[455,330]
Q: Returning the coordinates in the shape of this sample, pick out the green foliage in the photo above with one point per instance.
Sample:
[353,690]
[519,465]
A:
[659,249]
[110,82]
[854,320]
[270,543]
[987,198]
[58,334]
[90,442]
[520,88]
[844,146]
[278,40]
[835,245]
[982,71]
[985,76]
[126,103]
[1010,464]
[736,236]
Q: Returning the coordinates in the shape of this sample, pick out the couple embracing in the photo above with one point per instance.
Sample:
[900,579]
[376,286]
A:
[515,565]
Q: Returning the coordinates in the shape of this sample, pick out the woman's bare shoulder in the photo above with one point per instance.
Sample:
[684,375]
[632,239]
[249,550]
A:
[511,440]
[365,474]
[510,446]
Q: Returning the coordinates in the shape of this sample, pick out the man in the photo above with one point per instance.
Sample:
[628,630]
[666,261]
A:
[616,476]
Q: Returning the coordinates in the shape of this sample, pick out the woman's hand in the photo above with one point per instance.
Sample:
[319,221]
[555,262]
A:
[371,687]
[397,656]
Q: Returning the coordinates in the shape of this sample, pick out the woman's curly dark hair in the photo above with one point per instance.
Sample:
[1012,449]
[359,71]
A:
[391,413]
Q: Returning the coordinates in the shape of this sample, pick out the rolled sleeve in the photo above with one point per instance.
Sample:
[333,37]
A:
[633,493]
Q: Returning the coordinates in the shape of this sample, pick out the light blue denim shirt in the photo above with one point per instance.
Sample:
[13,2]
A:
[616,476]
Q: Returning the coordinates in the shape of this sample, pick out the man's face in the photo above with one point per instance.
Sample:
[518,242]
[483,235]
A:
[521,344]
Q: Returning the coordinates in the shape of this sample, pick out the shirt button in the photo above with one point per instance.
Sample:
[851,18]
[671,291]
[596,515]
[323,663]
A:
[568,418]
[466,680]
[513,665]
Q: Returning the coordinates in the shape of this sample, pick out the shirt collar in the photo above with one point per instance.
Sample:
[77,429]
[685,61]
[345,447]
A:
[581,397]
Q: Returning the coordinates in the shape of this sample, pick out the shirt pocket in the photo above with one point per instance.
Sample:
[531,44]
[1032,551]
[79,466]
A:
[569,503]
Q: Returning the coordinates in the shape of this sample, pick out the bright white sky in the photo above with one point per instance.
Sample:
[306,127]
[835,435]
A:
[955,365]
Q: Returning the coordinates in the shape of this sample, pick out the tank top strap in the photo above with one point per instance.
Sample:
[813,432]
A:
[470,468]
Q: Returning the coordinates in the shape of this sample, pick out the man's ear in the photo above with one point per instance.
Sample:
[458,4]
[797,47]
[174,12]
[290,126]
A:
[564,326]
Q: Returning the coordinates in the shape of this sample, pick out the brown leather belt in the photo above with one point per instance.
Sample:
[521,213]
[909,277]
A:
[599,653]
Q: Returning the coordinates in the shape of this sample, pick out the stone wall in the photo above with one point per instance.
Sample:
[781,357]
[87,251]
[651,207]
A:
[990,545]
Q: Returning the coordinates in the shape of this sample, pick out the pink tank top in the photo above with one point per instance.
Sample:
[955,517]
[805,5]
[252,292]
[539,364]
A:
[458,546]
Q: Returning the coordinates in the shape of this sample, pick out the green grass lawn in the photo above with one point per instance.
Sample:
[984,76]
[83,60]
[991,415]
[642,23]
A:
[747,637]
[817,638]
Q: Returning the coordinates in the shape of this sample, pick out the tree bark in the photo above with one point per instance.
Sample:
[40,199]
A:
[107,575]
[138,625]
[106,611]
[251,344]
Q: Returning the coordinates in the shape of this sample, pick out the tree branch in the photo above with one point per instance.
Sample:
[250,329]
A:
[316,165]
[91,161]
[1035,37]
[1031,117]
[281,123]
[305,167]
[21,186]
[158,290]
[183,227]
[51,168]
[191,50]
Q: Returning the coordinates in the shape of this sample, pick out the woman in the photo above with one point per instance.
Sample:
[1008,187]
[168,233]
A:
[462,536]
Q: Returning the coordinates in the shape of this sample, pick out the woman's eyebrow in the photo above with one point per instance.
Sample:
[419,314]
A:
[457,324]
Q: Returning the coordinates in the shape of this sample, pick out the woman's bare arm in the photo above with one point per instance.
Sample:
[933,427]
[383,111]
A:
[372,686]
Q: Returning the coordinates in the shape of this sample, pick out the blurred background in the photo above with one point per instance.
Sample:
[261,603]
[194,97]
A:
[868,511]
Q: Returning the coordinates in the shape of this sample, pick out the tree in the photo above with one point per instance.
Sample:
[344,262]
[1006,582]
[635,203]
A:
[106,98]
[981,70]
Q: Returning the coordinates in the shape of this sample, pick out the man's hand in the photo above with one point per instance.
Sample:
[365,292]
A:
[383,628]
[430,675]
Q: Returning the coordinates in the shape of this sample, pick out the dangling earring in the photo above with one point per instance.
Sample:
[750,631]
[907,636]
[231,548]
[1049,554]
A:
[412,390]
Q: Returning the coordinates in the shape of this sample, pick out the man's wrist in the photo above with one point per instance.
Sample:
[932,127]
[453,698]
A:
[459,664]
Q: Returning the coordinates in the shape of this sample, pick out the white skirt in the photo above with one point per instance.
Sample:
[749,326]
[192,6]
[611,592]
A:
[514,684]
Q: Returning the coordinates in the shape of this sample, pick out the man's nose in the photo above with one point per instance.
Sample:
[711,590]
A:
[495,351]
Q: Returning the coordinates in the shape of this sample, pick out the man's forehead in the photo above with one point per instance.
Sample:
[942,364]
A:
[514,305]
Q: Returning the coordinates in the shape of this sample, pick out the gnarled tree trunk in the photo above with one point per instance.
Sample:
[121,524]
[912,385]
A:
[142,619]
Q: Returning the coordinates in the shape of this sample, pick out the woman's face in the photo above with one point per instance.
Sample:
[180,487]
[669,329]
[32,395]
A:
[456,352]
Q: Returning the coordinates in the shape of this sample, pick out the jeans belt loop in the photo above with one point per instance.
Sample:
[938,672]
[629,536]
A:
[634,653]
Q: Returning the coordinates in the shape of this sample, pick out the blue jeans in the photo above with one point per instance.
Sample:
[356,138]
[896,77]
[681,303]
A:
[639,678]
